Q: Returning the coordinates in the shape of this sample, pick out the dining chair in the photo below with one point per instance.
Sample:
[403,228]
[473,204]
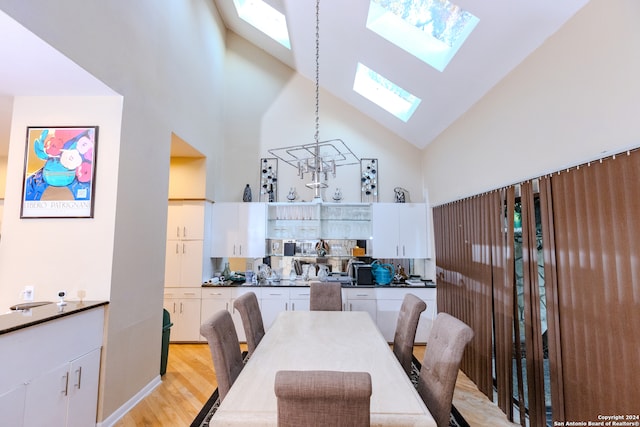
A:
[437,380]
[323,398]
[221,335]
[405,334]
[325,296]
[249,309]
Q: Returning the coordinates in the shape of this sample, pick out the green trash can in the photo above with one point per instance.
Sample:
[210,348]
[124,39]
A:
[166,329]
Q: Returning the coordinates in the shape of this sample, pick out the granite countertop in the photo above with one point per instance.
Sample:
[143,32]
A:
[20,319]
[301,283]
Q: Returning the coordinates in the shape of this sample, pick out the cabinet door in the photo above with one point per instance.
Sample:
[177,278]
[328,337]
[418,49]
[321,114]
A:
[299,299]
[252,230]
[12,406]
[173,256]
[84,374]
[224,229]
[185,315]
[191,260]
[185,220]
[46,398]
[386,226]
[274,301]
[412,236]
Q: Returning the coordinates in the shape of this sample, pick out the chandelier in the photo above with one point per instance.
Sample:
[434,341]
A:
[320,158]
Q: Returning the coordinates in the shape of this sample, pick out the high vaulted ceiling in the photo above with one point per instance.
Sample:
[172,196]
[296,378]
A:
[508,32]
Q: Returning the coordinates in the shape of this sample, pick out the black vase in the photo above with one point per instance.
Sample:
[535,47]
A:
[246,196]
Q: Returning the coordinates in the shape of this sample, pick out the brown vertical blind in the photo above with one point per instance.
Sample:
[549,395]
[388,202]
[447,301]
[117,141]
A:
[597,249]
[591,253]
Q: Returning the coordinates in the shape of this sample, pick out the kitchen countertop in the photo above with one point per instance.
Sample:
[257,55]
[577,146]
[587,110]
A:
[20,319]
[302,283]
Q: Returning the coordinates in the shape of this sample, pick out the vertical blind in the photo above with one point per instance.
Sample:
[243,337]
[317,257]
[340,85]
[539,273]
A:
[591,256]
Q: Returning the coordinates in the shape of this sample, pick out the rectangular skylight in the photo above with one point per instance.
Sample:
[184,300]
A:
[432,30]
[385,93]
[265,18]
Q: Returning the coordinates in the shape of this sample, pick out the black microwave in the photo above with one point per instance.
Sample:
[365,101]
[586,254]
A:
[362,274]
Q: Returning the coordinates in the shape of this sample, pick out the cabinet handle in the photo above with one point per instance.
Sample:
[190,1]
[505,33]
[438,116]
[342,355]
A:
[293,306]
[65,380]
[174,308]
[184,231]
[177,248]
[403,250]
[361,295]
[397,250]
[350,307]
[178,231]
[226,306]
[184,248]
[78,377]
[189,293]
[286,306]
[180,308]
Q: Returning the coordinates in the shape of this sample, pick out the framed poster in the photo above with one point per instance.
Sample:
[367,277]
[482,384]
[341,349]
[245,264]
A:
[59,172]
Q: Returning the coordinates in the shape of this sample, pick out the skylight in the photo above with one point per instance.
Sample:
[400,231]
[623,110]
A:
[432,30]
[265,18]
[385,93]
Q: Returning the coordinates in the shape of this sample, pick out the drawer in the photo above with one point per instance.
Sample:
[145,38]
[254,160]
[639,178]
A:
[300,293]
[183,293]
[364,293]
[275,293]
[216,293]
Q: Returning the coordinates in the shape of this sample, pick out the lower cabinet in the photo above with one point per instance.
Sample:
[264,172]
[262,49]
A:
[183,305]
[363,299]
[50,375]
[67,394]
[389,302]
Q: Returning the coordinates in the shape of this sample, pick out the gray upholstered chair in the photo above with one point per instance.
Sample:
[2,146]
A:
[406,327]
[323,398]
[437,381]
[251,316]
[221,335]
[325,296]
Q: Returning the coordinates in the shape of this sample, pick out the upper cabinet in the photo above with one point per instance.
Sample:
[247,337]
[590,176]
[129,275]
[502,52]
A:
[400,230]
[187,230]
[238,230]
[186,220]
[303,221]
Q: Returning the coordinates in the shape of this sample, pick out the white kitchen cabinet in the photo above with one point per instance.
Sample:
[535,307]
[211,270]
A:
[274,300]
[67,394]
[50,376]
[183,305]
[187,231]
[186,220]
[238,230]
[389,302]
[400,230]
[362,299]
[299,299]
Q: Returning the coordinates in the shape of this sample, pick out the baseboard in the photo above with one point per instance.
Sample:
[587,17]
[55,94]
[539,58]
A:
[112,419]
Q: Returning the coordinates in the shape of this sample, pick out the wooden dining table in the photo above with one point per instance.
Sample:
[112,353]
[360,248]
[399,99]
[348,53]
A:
[323,340]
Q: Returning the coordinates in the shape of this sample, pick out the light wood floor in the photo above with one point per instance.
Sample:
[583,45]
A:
[190,380]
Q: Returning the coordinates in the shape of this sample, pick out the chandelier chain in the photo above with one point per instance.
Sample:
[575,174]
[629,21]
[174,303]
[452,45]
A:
[317,134]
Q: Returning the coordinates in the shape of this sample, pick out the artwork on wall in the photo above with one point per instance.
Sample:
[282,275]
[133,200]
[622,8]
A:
[59,172]
[368,180]
[269,179]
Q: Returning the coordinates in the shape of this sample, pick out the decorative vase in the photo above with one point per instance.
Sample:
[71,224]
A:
[246,196]
[337,195]
[292,195]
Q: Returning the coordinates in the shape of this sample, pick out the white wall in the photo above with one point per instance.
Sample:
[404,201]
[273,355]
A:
[270,106]
[61,253]
[573,100]
[167,63]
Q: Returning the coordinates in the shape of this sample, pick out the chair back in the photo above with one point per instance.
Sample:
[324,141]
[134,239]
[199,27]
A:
[251,316]
[405,335]
[323,398]
[221,335]
[436,383]
[325,296]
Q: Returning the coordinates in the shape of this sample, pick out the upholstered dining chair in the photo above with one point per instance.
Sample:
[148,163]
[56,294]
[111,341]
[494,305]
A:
[405,334]
[221,335]
[325,296]
[249,308]
[437,380]
[323,398]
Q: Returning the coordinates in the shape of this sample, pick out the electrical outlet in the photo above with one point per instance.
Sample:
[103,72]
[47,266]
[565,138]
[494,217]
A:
[27,293]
